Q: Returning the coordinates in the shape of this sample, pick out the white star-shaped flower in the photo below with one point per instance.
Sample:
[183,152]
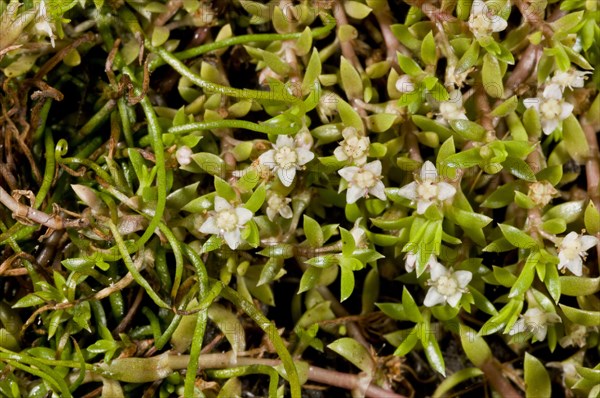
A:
[572,250]
[572,78]
[452,109]
[551,107]
[536,321]
[285,158]
[447,286]
[363,180]
[427,190]
[354,147]
[483,21]
[227,222]
[278,204]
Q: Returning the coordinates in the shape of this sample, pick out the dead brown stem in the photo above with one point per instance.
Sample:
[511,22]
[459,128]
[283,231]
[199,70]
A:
[493,373]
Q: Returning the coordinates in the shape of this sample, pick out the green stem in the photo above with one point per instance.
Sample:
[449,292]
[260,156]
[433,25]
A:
[226,123]
[271,330]
[96,121]
[43,117]
[249,370]
[48,171]
[131,267]
[244,39]
[125,122]
[210,87]
[196,347]
[154,323]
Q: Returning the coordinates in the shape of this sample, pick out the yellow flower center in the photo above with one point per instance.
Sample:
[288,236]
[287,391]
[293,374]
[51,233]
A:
[226,220]
[286,157]
[572,250]
[275,202]
[427,190]
[364,179]
[354,147]
[446,286]
[550,109]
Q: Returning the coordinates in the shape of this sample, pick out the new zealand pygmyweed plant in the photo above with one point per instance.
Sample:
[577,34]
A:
[299,198]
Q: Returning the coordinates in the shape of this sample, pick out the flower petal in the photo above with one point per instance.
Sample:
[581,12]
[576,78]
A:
[478,7]
[548,126]
[361,160]
[271,213]
[409,191]
[410,262]
[354,193]
[552,91]
[268,158]
[378,191]
[433,297]
[454,299]
[540,332]
[575,266]
[423,205]
[304,156]
[566,110]
[286,176]
[463,278]
[445,191]
[286,212]
[587,242]
[222,204]
[498,24]
[244,215]
[340,154]
[349,132]
[284,140]
[437,270]
[428,171]
[518,327]
[233,238]
[348,173]
[209,227]
[374,167]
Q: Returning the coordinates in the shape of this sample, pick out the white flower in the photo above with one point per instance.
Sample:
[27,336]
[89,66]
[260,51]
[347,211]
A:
[551,107]
[41,22]
[363,180]
[184,155]
[536,321]
[572,78]
[412,259]
[452,109]
[278,204]
[405,84]
[285,158]
[354,147]
[227,222]
[572,250]
[427,190]
[483,21]
[447,286]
